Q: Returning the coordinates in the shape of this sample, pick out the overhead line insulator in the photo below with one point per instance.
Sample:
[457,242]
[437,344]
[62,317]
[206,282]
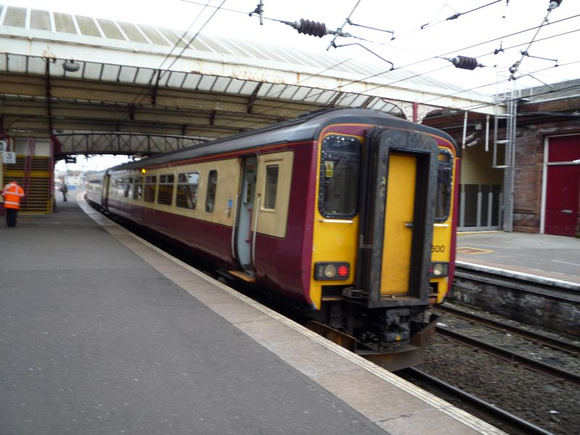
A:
[464,62]
[312,28]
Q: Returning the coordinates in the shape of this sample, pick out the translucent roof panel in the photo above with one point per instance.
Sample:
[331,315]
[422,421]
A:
[153,35]
[132,32]
[215,46]
[197,43]
[64,23]
[87,26]
[110,29]
[15,17]
[173,38]
[40,20]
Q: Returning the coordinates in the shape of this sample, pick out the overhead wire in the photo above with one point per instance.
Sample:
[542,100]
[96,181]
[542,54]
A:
[459,14]
[366,78]
[161,73]
[285,104]
[194,37]
[182,37]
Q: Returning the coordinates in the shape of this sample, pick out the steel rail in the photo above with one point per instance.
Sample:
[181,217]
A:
[554,343]
[510,356]
[494,411]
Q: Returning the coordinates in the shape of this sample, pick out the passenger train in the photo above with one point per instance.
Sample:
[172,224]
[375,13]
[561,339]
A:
[349,214]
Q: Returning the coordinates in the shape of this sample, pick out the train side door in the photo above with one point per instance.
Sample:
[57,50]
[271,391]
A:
[397,215]
[243,239]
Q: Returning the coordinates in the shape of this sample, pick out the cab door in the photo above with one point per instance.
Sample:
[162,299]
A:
[397,217]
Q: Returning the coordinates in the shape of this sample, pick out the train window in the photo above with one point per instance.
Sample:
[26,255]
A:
[127,187]
[165,193]
[119,187]
[339,172]
[150,188]
[187,190]
[212,179]
[444,186]
[137,187]
[271,186]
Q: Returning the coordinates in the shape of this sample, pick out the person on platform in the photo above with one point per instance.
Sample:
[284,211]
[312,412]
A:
[12,194]
[64,190]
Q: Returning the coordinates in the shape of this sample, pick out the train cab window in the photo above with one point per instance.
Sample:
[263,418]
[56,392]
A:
[150,188]
[212,179]
[444,186]
[137,187]
[339,174]
[187,190]
[165,194]
[271,186]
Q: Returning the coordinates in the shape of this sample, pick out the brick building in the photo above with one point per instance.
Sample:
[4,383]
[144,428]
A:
[541,161]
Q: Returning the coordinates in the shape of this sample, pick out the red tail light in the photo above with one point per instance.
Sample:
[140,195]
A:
[331,271]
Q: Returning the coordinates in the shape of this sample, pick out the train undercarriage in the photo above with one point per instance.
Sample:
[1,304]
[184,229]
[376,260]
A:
[393,338]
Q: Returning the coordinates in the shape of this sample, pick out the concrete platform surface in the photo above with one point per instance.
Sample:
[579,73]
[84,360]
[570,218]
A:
[101,333]
[551,257]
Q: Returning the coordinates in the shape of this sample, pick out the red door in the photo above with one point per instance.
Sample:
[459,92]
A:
[563,186]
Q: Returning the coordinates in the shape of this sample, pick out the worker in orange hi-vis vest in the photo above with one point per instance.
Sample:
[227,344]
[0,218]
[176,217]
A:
[12,193]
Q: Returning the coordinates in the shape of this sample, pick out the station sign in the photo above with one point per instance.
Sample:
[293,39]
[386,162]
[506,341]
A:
[9,157]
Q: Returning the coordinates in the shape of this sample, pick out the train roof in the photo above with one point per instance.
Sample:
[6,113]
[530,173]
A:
[303,128]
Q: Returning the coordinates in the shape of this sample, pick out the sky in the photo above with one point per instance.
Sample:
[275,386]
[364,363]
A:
[413,35]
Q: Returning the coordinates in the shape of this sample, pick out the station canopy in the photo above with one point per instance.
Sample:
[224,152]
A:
[98,86]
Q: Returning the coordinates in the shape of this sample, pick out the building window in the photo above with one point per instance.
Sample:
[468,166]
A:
[212,179]
[165,193]
[187,190]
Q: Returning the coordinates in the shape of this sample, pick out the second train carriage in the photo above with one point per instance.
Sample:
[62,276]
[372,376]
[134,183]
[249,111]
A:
[349,213]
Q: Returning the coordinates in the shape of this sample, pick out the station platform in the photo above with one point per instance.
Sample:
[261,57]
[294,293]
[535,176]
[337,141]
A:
[536,257]
[102,333]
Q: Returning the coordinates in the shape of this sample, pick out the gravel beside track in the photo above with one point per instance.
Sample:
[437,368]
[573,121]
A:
[545,401]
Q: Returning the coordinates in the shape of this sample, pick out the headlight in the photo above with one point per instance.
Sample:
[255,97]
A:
[439,270]
[331,271]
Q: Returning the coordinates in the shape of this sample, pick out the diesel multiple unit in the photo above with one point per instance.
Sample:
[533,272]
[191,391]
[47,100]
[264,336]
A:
[349,214]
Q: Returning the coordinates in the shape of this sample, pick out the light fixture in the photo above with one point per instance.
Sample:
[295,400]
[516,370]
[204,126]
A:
[70,66]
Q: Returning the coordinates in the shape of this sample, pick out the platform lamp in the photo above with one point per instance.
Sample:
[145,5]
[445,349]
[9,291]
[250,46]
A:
[554,4]
[70,66]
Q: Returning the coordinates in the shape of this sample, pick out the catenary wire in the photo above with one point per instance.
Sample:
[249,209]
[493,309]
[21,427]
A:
[329,68]
[286,104]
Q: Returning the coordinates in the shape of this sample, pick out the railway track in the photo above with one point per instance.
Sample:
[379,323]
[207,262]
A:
[531,375]
[553,342]
[499,417]
[511,356]
[536,339]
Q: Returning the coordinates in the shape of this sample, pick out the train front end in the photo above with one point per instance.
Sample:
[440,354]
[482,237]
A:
[384,238]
